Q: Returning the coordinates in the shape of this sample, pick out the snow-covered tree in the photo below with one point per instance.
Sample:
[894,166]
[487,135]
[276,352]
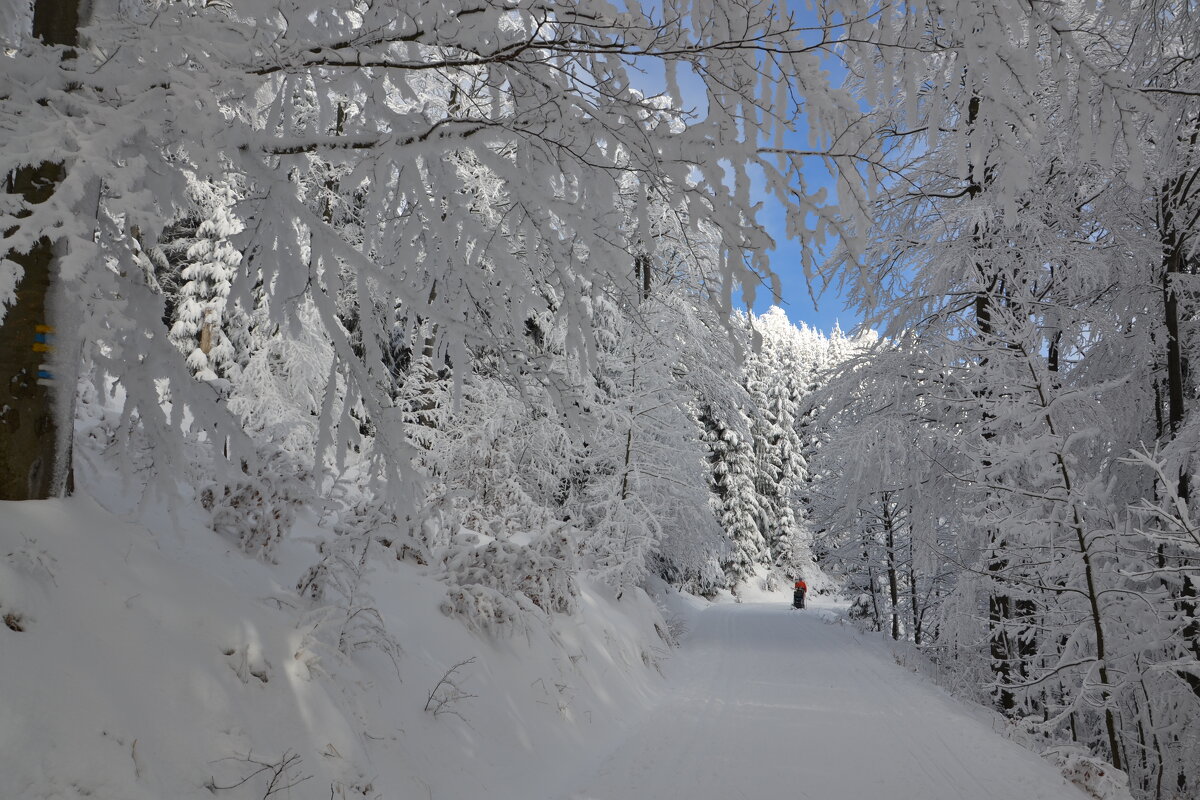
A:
[199,307]
[735,500]
[472,222]
[406,121]
[1023,261]
[779,380]
[775,378]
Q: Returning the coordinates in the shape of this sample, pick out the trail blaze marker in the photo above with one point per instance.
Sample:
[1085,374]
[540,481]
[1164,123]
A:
[41,344]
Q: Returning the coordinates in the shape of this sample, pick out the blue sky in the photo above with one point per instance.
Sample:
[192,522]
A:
[829,307]
[786,262]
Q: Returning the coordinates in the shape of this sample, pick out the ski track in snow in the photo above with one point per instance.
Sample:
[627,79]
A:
[767,702]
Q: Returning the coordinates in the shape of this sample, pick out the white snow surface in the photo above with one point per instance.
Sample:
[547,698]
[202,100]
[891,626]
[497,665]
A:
[768,702]
[156,659]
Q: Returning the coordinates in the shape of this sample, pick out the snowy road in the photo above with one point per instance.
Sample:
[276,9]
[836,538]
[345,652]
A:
[770,703]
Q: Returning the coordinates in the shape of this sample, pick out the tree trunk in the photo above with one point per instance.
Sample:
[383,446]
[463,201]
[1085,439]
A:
[1089,573]
[35,455]
[912,587]
[889,532]
[29,435]
[999,645]
[642,275]
[1174,229]
[1176,363]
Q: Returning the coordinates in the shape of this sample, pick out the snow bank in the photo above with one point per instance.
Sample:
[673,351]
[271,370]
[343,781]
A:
[680,610]
[1099,779]
[146,664]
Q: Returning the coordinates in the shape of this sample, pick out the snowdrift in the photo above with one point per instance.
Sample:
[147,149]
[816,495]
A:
[142,663]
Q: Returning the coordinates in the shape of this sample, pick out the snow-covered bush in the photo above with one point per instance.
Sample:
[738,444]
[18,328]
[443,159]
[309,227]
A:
[697,572]
[25,574]
[356,527]
[257,506]
[860,607]
[1098,778]
[620,542]
[493,584]
[345,617]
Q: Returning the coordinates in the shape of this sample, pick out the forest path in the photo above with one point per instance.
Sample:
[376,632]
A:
[767,702]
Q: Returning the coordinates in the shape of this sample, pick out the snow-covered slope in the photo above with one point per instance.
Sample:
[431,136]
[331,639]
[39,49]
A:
[164,664]
[143,664]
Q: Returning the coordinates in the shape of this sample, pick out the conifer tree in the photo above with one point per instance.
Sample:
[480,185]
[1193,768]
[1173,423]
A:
[735,501]
[200,307]
[776,388]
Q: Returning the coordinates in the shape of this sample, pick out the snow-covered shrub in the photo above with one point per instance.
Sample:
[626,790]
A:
[344,550]
[344,617]
[860,607]
[485,609]
[493,583]
[772,581]
[25,573]
[348,623]
[448,692]
[621,540]
[257,505]
[701,576]
[1098,778]
[355,528]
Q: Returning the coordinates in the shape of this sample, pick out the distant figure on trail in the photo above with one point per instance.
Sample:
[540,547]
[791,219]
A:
[798,594]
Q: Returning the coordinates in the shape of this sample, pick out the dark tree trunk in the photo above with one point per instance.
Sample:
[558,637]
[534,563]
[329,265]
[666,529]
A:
[1176,362]
[1000,646]
[642,275]
[893,576]
[37,385]
[912,587]
[56,22]
[1176,220]
[29,438]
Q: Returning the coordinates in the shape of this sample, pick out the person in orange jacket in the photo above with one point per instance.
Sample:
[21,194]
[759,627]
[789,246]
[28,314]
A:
[798,594]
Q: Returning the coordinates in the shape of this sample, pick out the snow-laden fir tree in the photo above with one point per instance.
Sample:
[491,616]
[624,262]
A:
[198,328]
[775,378]
[779,379]
[734,500]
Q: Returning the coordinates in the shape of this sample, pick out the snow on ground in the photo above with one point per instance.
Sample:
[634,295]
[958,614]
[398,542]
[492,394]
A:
[154,663]
[163,664]
[768,702]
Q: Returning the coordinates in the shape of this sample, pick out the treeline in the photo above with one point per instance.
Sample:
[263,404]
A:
[1015,464]
[679,452]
